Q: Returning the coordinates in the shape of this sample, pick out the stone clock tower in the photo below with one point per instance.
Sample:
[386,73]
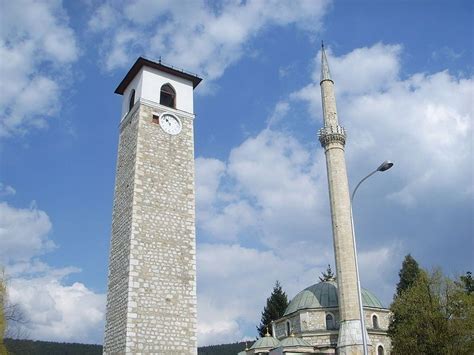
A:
[151,299]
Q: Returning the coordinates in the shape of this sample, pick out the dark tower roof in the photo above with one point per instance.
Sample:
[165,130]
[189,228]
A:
[143,62]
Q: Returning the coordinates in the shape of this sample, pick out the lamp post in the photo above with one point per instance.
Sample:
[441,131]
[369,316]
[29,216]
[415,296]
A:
[383,167]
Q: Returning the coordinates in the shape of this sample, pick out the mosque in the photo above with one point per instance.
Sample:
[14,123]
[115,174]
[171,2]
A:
[310,324]
[326,318]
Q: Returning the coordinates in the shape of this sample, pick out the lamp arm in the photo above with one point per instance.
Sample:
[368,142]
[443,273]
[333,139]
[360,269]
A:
[360,182]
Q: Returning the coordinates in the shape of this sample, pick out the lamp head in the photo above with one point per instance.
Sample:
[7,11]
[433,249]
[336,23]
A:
[387,164]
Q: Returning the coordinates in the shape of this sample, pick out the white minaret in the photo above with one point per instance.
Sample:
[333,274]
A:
[151,299]
[333,138]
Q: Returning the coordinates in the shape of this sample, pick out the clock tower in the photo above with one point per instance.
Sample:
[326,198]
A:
[151,299]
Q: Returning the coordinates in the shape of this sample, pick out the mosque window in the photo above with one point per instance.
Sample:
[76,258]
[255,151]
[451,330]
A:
[168,96]
[131,100]
[330,323]
[380,350]
[288,328]
[375,322]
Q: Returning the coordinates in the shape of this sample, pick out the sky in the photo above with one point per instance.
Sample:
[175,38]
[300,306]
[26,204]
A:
[403,73]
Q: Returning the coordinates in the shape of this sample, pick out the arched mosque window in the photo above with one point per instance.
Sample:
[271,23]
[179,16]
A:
[380,350]
[330,323]
[375,322]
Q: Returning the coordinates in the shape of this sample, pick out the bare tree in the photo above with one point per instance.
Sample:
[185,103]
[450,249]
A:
[12,317]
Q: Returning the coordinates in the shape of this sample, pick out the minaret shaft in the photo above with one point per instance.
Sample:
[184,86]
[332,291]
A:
[333,138]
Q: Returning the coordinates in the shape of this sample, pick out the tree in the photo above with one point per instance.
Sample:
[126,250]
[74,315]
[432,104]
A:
[13,320]
[328,275]
[433,315]
[417,325]
[408,274]
[274,309]
[467,282]
[3,322]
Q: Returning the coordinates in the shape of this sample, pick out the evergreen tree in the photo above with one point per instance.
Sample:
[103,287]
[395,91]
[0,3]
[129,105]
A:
[408,274]
[274,309]
[328,275]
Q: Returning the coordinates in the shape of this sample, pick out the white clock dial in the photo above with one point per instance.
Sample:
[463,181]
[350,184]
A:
[170,123]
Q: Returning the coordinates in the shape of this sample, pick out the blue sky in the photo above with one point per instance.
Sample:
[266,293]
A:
[404,81]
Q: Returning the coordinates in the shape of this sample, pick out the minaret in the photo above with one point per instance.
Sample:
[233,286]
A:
[151,299]
[333,138]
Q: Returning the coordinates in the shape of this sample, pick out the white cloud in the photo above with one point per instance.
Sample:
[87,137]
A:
[6,190]
[427,114]
[36,47]
[23,233]
[379,268]
[54,309]
[201,37]
[234,283]
[59,312]
[269,188]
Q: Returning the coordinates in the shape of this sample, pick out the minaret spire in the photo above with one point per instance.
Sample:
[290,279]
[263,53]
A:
[325,73]
[333,139]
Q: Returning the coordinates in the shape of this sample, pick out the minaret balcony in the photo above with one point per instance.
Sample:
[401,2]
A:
[332,134]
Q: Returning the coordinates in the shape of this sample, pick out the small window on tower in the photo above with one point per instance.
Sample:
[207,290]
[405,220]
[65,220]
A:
[288,328]
[131,101]
[168,96]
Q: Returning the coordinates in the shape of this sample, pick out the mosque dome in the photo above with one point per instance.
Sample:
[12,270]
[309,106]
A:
[266,342]
[324,295]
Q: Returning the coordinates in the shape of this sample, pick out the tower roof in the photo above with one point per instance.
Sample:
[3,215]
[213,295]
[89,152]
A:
[324,295]
[142,62]
[325,73]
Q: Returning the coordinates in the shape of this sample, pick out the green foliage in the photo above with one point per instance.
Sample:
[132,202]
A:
[467,282]
[275,308]
[433,315]
[408,274]
[328,275]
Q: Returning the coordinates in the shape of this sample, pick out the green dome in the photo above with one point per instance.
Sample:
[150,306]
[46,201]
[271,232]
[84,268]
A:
[323,295]
[294,341]
[266,342]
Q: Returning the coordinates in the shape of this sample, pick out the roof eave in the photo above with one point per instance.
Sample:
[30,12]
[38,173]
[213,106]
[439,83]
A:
[143,62]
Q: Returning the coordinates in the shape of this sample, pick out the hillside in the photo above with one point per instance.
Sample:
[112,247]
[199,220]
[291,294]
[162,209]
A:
[32,347]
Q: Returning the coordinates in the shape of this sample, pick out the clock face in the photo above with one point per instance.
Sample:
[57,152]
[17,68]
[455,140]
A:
[170,123]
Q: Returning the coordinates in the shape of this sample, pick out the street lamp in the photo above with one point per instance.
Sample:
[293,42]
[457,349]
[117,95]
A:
[387,164]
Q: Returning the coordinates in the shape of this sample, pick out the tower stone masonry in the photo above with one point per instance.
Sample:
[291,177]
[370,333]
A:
[151,299]
[333,138]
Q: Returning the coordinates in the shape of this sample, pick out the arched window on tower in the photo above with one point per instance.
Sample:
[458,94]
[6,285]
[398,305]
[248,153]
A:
[288,328]
[168,96]
[330,322]
[131,100]
[380,350]
[375,322]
